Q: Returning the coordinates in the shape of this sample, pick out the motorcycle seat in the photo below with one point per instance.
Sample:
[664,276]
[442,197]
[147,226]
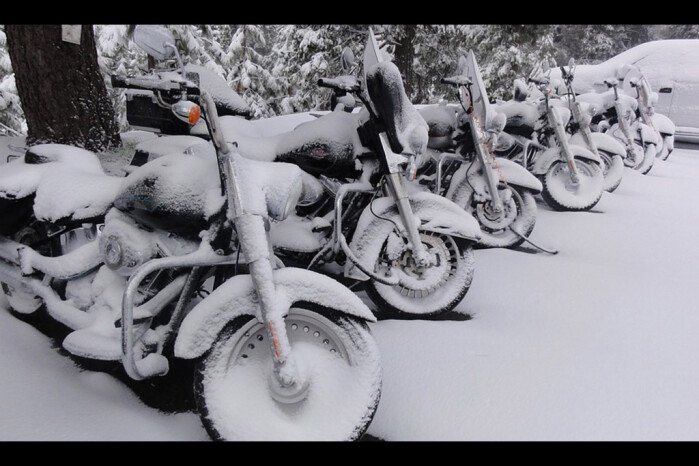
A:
[66,182]
[441,122]
[327,145]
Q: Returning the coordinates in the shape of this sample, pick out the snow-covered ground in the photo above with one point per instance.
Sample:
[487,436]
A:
[597,342]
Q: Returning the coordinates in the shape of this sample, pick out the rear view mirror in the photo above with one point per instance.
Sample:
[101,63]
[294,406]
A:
[571,62]
[347,59]
[157,41]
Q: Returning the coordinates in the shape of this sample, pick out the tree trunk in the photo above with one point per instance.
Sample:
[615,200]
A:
[61,89]
[404,55]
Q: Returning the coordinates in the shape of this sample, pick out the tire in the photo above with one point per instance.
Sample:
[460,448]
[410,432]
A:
[20,301]
[648,159]
[631,162]
[562,197]
[612,169]
[668,146]
[231,387]
[455,280]
[522,203]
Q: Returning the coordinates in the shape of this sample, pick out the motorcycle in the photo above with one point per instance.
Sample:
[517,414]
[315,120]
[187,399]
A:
[281,353]
[571,175]
[496,191]
[362,219]
[661,124]
[609,150]
[616,117]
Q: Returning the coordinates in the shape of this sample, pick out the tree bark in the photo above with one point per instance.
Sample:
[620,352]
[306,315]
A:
[61,89]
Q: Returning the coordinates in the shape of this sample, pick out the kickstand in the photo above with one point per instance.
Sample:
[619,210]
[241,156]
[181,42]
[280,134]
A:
[540,248]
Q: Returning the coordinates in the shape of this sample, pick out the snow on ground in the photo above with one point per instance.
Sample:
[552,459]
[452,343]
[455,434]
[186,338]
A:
[598,342]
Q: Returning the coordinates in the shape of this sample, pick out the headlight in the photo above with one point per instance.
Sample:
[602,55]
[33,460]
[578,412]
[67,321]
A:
[124,246]
[592,110]
[112,253]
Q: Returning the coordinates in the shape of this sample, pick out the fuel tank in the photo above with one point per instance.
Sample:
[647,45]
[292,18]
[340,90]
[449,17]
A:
[176,192]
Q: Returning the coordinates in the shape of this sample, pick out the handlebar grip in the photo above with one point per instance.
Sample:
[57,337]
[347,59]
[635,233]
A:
[322,82]
[119,82]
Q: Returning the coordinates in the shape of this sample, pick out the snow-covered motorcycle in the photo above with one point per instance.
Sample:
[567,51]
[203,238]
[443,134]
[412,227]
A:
[411,249]
[609,150]
[282,353]
[496,191]
[571,175]
[52,200]
[661,124]
[616,116]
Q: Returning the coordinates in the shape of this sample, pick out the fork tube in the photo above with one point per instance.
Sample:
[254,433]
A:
[562,141]
[409,221]
[484,156]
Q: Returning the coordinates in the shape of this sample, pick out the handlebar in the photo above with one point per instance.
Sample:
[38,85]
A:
[341,83]
[457,81]
[152,84]
[540,81]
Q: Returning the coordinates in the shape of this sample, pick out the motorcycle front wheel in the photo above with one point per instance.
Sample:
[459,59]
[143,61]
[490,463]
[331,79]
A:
[424,292]
[563,195]
[668,142]
[519,214]
[612,169]
[337,356]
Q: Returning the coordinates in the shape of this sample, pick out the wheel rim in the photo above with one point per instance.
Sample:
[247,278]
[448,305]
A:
[421,283]
[242,404]
[494,222]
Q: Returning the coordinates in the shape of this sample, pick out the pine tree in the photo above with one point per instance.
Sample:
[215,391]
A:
[247,61]
[11,115]
[117,55]
[508,51]
[594,43]
[305,53]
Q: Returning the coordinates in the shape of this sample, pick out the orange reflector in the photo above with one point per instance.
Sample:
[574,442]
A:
[194,115]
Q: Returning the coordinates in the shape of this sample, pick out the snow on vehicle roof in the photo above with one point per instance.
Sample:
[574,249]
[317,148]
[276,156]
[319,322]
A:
[659,60]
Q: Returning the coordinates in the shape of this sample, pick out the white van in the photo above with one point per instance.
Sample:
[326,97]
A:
[671,67]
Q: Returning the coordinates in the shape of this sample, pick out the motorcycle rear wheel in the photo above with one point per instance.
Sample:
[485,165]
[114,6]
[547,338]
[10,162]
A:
[336,352]
[21,301]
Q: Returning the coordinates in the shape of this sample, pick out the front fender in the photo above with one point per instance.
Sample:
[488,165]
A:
[508,171]
[649,136]
[544,160]
[603,142]
[236,297]
[663,124]
[516,175]
[434,213]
